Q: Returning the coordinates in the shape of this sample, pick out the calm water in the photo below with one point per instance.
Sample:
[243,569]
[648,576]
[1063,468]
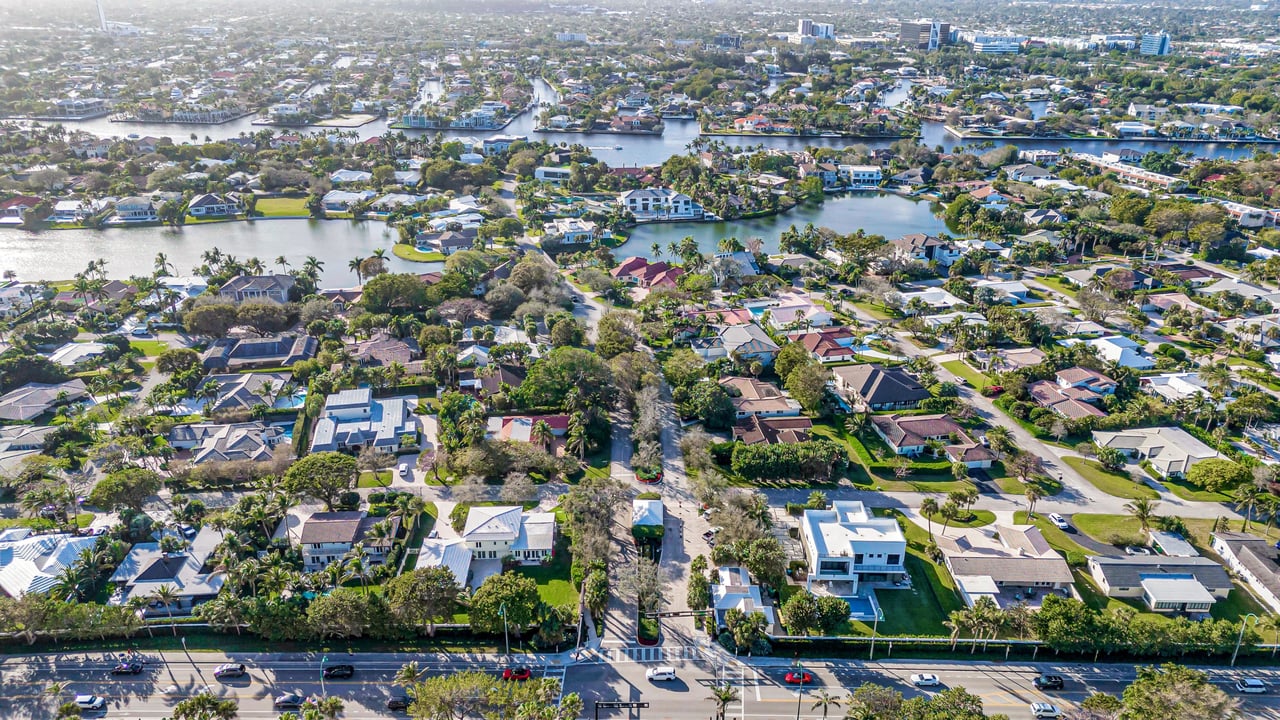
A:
[59,254]
[877,214]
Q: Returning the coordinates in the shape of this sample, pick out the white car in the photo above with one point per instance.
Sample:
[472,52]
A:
[1251,685]
[1059,521]
[660,673]
[925,680]
[1045,710]
[90,702]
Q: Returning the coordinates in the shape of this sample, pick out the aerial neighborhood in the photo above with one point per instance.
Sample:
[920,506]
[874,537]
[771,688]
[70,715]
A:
[856,337]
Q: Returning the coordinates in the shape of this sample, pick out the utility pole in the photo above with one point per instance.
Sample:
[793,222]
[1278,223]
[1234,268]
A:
[506,638]
[1240,638]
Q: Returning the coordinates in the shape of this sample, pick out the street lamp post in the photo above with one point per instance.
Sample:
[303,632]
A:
[506,638]
[875,628]
[1240,638]
[800,693]
[323,661]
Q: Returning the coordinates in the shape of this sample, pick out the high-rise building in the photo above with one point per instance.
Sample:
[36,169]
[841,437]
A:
[1154,44]
[993,44]
[925,34]
[824,31]
[804,27]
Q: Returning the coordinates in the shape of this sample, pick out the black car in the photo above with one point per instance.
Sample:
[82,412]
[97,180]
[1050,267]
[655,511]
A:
[335,672]
[1049,682]
[398,702]
[288,700]
[127,668]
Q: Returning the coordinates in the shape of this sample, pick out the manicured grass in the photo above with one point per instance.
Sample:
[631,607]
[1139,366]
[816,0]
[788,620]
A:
[369,479]
[1059,284]
[1011,485]
[1116,484]
[875,311]
[960,368]
[1060,541]
[1105,528]
[412,254]
[1187,491]
[555,584]
[282,207]
[149,348]
[978,519]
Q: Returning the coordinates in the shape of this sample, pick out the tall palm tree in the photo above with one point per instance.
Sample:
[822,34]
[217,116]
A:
[1271,623]
[825,700]
[354,265]
[723,695]
[1246,499]
[167,595]
[205,706]
[956,622]
[283,262]
[1142,510]
[408,674]
[929,508]
[1033,494]
[541,434]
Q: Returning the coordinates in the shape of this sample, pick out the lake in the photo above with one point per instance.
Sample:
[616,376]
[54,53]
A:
[876,213]
[60,254]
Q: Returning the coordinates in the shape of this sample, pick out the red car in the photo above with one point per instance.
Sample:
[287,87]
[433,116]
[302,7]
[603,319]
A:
[517,673]
[799,678]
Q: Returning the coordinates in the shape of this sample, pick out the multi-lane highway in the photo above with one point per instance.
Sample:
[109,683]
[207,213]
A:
[614,676]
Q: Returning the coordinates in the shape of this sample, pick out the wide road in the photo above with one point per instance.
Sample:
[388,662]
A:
[763,692]
[24,684]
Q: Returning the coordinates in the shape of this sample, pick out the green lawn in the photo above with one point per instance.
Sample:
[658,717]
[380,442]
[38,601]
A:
[1060,541]
[1187,491]
[282,207]
[875,311]
[369,479]
[1060,285]
[149,348]
[978,519]
[1116,484]
[555,584]
[960,368]
[412,254]
[1011,485]
[1108,528]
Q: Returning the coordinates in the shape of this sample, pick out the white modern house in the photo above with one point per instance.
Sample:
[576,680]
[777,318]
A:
[735,591]
[1255,560]
[650,204]
[497,532]
[1122,351]
[846,546]
[353,420]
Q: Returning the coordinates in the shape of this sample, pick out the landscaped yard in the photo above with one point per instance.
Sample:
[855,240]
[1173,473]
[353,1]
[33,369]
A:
[1060,285]
[1058,539]
[380,479]
[149,348]
[1117,484]
[978,518]
[1187,491]
[412,254]
[867,471]
[1011,485]
[875,311]
[555,584]
[282,207]
[960,368]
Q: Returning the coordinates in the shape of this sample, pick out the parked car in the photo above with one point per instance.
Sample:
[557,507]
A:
[1251,685]
[288,700]
[1136,550]
[335,672]
[1045,710]
[1049,682]
[798,677]
[404,470]
[230,670]
[517,673]
[1059,522]
[398,702]
[90,702]
[925,680]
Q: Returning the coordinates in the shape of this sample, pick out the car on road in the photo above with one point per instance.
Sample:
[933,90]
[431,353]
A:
[1059,522]
[1136,550]
[925,680]
[517,673]
[398,702]
[660,673]
[1045,710]
[288,700]
[1251,685]
[336,672]
[1049,682]
[798,677]
[90,702]
[127,668]
[230,670]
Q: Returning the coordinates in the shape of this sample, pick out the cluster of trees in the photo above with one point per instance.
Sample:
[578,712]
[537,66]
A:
[697,394]
[815,460]
[877,702]
[803,376]
[471,693]
[805,614]
[1069,625]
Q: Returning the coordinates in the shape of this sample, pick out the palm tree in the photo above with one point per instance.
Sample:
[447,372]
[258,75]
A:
[958,620]
[380,253]
[205,706]
[408,674]
[1143,510]
[999,437]
[1033,494]
[1271,623]
[1247,498]
[354,265]
[723,695]
[283,262]
[929,508]
[825,700]
[312,267]
[167,595]
[541,434]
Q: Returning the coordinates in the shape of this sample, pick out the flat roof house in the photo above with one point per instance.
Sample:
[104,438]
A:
[1255,560]
[1170,450]
[847,545]
[735,591]
[1165,584]
[353,420]
[246,353]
